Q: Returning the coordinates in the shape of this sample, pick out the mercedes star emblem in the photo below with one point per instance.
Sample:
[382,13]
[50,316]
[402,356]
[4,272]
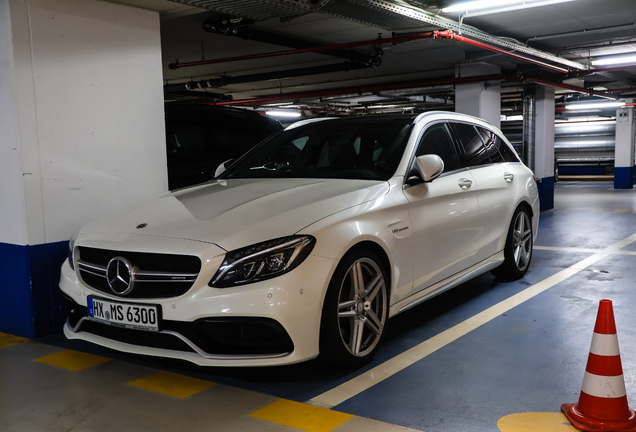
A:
[120,275]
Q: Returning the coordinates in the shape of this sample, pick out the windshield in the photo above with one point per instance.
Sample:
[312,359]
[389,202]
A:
[346,149]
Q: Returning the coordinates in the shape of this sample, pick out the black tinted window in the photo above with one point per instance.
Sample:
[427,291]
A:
[490,143]
[506,154]
[436,140]
[184,134]
[329,149]
[474,152]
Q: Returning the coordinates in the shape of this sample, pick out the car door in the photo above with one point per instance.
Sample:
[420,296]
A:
[480,154]
[443,212]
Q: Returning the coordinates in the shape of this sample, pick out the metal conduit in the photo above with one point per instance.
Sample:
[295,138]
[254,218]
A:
[290,73]
[529,124]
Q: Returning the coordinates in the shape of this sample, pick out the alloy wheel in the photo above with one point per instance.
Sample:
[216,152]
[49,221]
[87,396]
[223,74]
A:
[362,307]
[522,240]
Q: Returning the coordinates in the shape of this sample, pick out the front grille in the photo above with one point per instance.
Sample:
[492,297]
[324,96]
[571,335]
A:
[156,275]
[135,337]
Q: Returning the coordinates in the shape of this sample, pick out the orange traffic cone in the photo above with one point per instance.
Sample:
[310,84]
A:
[603,405]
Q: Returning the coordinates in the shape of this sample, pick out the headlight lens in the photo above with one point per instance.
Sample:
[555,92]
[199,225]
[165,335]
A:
[262,261]
[71,246]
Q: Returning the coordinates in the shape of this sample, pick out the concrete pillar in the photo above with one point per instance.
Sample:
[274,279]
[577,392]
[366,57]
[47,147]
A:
[624,150]
[81,135]
[481,100]
[544,146]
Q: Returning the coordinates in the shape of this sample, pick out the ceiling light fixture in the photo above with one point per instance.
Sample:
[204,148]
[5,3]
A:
[593,106]
[279,113]
[615,60]
[484,7]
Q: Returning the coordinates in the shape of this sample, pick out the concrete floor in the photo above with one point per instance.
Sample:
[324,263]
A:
[486,356]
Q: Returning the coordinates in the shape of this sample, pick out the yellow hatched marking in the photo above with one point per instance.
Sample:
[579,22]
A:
[6,340]
[301,416]
[533,422]
[73,360]
[172,384]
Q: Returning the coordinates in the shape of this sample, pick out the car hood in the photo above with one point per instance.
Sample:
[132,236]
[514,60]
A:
[239,212]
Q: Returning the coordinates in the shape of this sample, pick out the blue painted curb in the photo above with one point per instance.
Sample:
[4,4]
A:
[31,306]
[546,193]
[624,177]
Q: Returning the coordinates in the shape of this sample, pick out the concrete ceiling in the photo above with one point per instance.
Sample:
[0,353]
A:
[561,34]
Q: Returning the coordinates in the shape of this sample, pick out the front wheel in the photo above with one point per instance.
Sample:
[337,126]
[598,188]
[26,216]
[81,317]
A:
[518,249]
[355,311]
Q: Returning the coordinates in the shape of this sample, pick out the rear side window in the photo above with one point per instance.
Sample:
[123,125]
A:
[494,142]
[437,140]
[474,153]
[490,144]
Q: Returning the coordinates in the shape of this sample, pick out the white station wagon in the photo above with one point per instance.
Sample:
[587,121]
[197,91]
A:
[306,245]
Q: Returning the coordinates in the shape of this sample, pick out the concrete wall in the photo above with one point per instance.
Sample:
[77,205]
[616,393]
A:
[81,134]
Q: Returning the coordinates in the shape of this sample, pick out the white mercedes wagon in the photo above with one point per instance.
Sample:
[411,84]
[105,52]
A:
[306,245]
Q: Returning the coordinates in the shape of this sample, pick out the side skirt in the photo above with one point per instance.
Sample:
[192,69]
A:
[440,287]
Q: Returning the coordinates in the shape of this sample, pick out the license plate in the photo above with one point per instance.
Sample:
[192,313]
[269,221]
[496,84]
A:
[128,315]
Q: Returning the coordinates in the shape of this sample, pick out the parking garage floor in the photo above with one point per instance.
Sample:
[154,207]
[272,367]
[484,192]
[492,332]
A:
[489,355]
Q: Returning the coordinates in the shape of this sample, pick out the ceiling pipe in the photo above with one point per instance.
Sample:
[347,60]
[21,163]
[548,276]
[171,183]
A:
[451,35]
[371,89]
[314,49]
[590,92]
[266,76]
[447,34]
[408,85]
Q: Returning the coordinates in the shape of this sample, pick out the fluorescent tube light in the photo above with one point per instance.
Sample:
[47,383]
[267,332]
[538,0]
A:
[615,60]
[599,105]
[275,113]
[478,4]
[485,7]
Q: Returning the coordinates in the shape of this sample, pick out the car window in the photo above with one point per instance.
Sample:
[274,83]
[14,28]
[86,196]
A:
[474,153]
[184,134]
[232,134]
[489,140]
[329,149]
[437,140]
[503,149]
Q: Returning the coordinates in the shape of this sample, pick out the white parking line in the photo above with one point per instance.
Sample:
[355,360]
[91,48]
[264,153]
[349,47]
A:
[583,250]
[357,385]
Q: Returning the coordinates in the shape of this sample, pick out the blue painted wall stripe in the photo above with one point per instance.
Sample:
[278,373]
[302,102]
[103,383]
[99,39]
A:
[546,193]
[30,303]
[623,177]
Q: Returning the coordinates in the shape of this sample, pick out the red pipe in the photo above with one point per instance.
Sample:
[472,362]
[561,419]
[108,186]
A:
[370,89]
[591,92]
[450,35]
[377,41]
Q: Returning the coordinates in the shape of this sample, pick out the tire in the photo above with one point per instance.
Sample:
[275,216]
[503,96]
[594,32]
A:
[518,249]
[355,311]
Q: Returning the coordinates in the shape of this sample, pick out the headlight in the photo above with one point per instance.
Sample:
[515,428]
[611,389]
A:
[71,246]
[262,261]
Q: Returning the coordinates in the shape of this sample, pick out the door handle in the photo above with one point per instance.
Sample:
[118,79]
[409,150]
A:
[464,183]
[509,177]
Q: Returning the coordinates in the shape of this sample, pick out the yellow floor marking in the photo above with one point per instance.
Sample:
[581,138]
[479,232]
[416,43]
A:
[301,416]
[6,340]
[368,379]
[172,384]
[73,360]
[534,422]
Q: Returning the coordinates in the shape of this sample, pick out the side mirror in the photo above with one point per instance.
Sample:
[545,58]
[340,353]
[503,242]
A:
[222,167]
[425,169]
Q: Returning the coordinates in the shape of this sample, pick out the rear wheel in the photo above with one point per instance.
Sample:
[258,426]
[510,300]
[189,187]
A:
[518,249]
[355,312]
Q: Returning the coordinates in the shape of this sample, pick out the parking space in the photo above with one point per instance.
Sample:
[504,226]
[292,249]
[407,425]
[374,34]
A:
[486,352]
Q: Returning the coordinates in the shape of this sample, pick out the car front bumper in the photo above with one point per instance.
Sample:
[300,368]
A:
[294,301]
